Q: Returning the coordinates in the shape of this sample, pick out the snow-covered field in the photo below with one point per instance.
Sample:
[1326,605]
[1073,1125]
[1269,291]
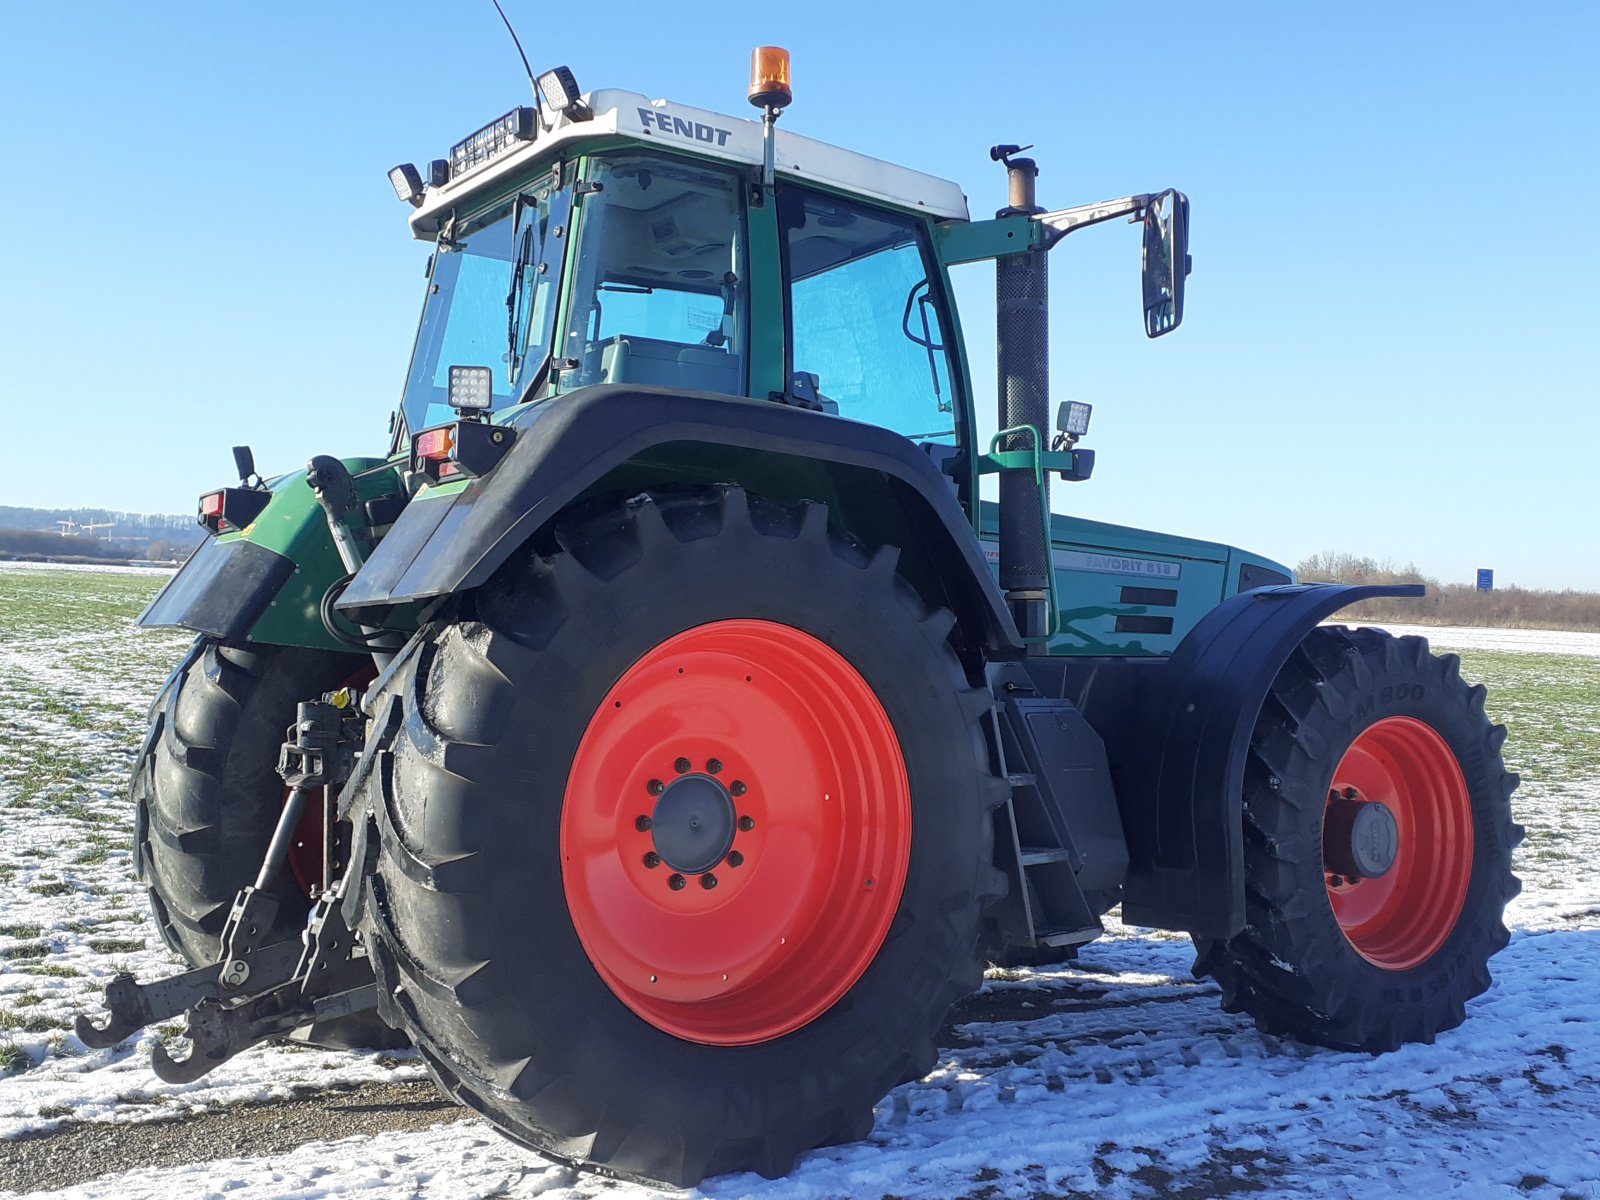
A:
[1117,1076]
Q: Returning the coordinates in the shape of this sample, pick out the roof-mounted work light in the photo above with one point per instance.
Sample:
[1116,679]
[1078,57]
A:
[558,88]
[407,183]
[769,77]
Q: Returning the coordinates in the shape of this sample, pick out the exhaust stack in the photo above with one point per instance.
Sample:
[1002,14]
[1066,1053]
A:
[1022,355]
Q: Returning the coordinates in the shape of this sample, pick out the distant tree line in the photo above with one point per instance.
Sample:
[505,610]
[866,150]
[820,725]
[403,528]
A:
[1451,603]
[95,535]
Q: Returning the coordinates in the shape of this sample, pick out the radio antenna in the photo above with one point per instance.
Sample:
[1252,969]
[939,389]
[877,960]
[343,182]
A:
[515,42]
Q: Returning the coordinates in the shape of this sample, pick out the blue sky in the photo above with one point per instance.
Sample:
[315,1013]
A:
[1384,343]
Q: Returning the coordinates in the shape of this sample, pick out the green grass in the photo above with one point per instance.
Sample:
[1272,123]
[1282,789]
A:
[12,1056]
[28,950]
[38,606]
[1550,705]
[115,945]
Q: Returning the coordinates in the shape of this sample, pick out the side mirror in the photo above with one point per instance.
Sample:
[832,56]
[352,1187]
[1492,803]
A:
[1166,261]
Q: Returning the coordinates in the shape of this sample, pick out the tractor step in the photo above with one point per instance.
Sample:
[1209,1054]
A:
[1033,856]
[1060,830]
[1066,937]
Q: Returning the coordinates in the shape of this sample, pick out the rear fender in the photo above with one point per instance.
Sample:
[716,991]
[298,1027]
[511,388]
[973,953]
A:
[1180,790]
[266,582]
[614,440]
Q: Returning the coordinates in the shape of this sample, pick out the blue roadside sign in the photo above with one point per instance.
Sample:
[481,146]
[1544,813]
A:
[1485,579]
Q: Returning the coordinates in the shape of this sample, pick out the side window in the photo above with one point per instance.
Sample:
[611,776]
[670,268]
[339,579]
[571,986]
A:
[659,295]
[863,317]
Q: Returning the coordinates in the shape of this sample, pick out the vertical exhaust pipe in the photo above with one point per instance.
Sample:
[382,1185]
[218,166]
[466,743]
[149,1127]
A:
[1022,355]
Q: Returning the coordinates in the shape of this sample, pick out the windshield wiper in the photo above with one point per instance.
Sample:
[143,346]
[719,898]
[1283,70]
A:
[519,265]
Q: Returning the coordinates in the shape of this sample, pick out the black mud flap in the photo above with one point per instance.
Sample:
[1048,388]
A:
[1180,795]
[222,589]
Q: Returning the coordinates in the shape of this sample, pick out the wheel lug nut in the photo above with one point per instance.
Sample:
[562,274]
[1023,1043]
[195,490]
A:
[655,787]
[642,823]
[746,824]
[735,859]
[652,860]
[1350,793]
[708,881]
[737,787]
[714,766]
[677,882]
[682,766]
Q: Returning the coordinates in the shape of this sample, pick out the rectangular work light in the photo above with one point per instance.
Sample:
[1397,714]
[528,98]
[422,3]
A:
[407,183]
[559,89]
[496,138]
[1072,418]
[471,389]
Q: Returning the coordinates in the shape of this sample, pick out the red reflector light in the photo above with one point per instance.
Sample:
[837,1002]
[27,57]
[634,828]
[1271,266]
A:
[211,504]
[435,444]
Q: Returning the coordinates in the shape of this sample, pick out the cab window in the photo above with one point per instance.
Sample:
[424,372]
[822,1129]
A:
[659,296]
[864,311]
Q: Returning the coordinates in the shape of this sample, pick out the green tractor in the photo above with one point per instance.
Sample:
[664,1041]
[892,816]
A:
[674,733]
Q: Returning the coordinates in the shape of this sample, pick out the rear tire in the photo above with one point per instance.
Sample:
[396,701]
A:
[207,797]
[511,888]
[1366,936]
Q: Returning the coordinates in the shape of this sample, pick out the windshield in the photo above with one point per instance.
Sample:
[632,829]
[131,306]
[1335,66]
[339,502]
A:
[491,302]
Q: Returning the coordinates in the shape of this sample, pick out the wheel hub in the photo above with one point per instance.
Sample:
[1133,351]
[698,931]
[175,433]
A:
[1360,838]
[693,824]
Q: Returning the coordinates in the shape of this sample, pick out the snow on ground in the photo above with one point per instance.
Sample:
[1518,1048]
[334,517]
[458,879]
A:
[1118,1076]
[87,568]
[1519,641]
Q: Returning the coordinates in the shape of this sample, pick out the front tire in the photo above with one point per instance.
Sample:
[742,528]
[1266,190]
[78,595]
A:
[685,836]
[1378,839]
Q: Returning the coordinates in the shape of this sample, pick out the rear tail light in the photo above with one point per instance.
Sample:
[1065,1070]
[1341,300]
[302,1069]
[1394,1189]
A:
[462,448]
[232,508]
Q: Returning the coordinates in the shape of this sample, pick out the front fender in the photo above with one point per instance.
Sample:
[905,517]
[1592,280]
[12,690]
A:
[1181,792]
[624,439]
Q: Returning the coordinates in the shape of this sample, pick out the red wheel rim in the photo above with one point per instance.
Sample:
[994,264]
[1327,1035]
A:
[758,746]
[305,852]
[1400,918]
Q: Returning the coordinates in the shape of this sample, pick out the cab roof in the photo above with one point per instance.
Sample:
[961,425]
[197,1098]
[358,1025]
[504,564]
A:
[630,115]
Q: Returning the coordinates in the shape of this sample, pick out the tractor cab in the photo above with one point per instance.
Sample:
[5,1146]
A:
[622,240]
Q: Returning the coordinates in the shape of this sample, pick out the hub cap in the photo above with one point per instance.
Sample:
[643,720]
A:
[1397,843]
[693,824]
[735,832]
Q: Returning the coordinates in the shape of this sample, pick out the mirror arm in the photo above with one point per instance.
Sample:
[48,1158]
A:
[1065,220]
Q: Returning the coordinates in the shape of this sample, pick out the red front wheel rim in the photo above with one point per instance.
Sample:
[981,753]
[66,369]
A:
[1400,918]
[735,832]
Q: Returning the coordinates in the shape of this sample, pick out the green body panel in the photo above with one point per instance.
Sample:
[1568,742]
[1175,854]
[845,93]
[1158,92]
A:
[294,525]
[769,365]
[976,241]
[1095,561]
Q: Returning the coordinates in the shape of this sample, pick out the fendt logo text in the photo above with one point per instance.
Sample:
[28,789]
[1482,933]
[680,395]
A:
[681,128]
